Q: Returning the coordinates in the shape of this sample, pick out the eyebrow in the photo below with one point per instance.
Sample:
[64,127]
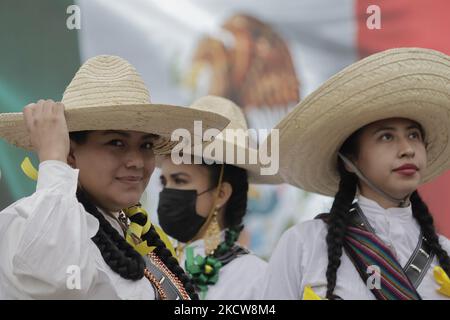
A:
[127,135]
[176,174]
[413,126]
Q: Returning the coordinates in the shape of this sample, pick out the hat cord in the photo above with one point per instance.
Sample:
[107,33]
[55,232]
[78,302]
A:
[401,202]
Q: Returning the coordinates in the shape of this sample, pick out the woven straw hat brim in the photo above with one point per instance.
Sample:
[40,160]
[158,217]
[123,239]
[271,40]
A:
[151,118]
[231,111]
[253,170]
[409,83]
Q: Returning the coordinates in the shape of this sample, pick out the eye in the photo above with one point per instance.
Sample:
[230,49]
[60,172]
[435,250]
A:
[179,181]
[148,146]
[415,135]
[163,181]
[116,143]
[386,137]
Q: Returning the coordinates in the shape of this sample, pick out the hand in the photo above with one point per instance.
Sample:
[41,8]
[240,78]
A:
[48,131]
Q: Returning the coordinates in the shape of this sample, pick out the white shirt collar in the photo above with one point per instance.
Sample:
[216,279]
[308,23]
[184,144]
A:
[114,222]
[372,209]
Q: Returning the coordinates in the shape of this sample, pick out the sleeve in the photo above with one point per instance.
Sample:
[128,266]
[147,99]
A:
[47,238]
[282,280]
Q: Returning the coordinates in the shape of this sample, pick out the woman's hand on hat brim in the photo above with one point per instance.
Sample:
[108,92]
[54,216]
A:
[47,127]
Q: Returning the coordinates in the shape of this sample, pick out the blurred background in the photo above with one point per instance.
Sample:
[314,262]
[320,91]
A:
[264,55]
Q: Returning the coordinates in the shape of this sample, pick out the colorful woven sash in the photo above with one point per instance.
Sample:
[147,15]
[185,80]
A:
[365,249]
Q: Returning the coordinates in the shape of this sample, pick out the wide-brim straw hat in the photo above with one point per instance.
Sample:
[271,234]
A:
[411,83]
[107,93]
[237,124]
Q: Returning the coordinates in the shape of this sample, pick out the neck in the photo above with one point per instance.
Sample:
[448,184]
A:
[375,196]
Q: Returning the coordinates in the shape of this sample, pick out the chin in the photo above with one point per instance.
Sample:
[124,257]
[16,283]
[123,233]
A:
[127,201]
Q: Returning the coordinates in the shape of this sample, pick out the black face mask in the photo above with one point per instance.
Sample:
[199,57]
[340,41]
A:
[177,215]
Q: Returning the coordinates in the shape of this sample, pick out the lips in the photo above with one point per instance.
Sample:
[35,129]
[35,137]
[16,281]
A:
[130,179]
[407,169]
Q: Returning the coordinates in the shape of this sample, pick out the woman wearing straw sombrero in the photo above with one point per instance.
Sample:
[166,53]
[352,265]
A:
[369,136]
[203,203]
[82,234]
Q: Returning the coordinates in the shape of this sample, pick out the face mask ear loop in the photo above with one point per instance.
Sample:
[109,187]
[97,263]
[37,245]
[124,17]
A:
[211,212]
[401,202]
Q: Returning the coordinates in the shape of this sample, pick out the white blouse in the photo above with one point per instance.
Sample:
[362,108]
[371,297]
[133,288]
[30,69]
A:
[238,280]
[300,258]
[45,243]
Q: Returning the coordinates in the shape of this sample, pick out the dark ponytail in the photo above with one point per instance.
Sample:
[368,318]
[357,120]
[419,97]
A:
[425,220]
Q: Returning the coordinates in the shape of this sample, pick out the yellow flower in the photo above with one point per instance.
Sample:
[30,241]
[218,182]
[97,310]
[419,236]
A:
[443,280]
[309,294]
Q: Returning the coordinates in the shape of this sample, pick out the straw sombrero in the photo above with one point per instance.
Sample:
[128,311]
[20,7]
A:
[107,93]
[232,112]
[410,83]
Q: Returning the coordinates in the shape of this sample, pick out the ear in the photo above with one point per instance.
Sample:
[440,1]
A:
[224,194]
[348,167]
[71,159]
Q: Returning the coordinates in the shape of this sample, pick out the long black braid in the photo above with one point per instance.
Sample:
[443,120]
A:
[118,253]
[167,258]
[338,217]
[425,220]
[337,226]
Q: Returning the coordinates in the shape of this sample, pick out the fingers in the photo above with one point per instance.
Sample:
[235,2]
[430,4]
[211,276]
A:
[58,108]
[28,113]
[42,109]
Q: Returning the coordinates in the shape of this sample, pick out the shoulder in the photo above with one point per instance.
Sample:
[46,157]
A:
[445,243]
[305,232]
[250,260]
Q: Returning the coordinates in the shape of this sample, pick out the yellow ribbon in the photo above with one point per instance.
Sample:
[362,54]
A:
[309,294]
[443,280]
[29,170]
[136,231]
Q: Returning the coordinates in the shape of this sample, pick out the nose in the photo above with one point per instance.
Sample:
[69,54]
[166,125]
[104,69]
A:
[134,159]
[406,149]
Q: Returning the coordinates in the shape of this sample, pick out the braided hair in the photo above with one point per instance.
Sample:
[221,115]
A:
[117,253]
[339,219]
[424,218]
[164,254]
[337,225]
[236,206]
[120,256]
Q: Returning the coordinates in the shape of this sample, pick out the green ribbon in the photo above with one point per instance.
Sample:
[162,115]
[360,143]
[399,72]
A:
[204,271]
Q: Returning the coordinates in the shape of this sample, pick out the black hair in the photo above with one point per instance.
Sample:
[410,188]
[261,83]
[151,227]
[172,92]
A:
[236,206]
[339,217]
[117,252]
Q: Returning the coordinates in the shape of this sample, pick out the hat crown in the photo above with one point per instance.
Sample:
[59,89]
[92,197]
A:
[224,107]
[104,81]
